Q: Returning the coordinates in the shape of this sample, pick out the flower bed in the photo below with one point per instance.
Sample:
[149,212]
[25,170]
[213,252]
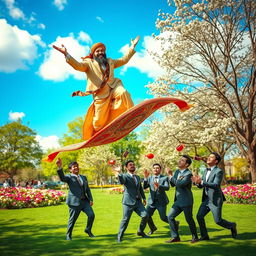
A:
[240,194]
[116,190]
[18,197]
[106,186]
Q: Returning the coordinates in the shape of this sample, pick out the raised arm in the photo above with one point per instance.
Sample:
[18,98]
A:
[61,49]
[134,42]
[122,61]
[60,171]
[80,66]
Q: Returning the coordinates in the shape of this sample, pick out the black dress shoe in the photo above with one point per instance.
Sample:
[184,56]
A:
[142,234]
[234,231]
[89,232]
[173,240]
[119,240]
[152,231]
[204,238]
[194,240]
[68,238]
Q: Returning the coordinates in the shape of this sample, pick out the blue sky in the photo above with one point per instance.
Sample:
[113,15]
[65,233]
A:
[36,82]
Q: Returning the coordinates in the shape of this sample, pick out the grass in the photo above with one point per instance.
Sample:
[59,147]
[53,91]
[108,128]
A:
[41,231]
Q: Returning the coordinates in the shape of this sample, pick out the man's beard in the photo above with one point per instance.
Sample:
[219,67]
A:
[103,61]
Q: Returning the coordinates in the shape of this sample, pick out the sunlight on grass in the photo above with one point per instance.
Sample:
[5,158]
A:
[41,231]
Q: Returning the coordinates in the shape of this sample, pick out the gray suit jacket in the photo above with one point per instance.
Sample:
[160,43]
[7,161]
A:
[183,184]
[213,186]
[75,192]
[159,194]
[132,191]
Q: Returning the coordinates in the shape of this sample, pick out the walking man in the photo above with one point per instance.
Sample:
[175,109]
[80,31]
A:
[158,184]
[212,197]
[132,199]
[79,197]
[183,201]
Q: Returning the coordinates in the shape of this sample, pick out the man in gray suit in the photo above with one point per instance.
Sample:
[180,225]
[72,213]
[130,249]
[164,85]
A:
[183,201]
[157,184]
[79,197]
[212,198]
[133,194]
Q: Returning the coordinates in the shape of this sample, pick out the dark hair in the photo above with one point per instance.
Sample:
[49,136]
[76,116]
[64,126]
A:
[217,156]
[157,165]
[188,159]
[71,164]
[127,162]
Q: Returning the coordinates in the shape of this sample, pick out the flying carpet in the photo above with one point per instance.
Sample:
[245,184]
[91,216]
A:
[122,125]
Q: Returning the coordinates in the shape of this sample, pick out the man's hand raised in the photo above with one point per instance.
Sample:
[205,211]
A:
[59,163]
[134,42]
[61,49]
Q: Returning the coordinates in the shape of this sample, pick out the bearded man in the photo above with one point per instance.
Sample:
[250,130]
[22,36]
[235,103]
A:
[110,98]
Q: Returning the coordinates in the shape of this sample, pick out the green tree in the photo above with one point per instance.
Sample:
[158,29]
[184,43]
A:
[73,135]
[241,167]
[18,148]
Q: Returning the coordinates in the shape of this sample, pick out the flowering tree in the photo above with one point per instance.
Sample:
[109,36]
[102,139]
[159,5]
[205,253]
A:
[95,161]
[210,47]
[201,126]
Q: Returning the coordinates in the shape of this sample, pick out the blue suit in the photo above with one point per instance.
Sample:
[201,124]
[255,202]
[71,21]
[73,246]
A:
[212,200]
[78,200]
[157,198]
[183,202]
[133,194]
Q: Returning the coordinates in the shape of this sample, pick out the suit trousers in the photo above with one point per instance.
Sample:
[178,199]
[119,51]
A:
[127,213]
[188,212]
[204,208]
[162,213]
[74,212]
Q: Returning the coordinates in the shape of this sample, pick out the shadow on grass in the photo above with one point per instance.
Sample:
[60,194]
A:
[19,239]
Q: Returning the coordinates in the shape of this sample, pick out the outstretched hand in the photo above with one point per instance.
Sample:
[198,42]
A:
[134,42]
[196,179]
[61,49]
[146,173]
[116,170]
[59,163]
[168,171]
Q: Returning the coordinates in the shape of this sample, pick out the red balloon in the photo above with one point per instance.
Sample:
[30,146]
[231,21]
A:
[149,156]
[112,162]
[180,147]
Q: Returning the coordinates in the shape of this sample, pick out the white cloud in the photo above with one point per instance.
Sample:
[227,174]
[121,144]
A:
[17,47]
[41,26]
[142,60]
[84,37]
[14,11]
[14,116]
[55,67]
[49,142]
[60,4]
[99,19]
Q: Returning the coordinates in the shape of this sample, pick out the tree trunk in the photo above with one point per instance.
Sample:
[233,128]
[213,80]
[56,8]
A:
[222,167]
[251,157]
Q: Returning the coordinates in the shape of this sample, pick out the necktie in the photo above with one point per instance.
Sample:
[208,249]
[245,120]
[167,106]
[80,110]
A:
[208,169]
[79,181]
[155,181]
[134,179]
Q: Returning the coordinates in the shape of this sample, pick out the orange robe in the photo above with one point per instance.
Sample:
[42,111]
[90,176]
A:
[110,101]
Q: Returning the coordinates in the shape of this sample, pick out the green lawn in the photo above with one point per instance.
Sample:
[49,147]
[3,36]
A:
[41,231]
